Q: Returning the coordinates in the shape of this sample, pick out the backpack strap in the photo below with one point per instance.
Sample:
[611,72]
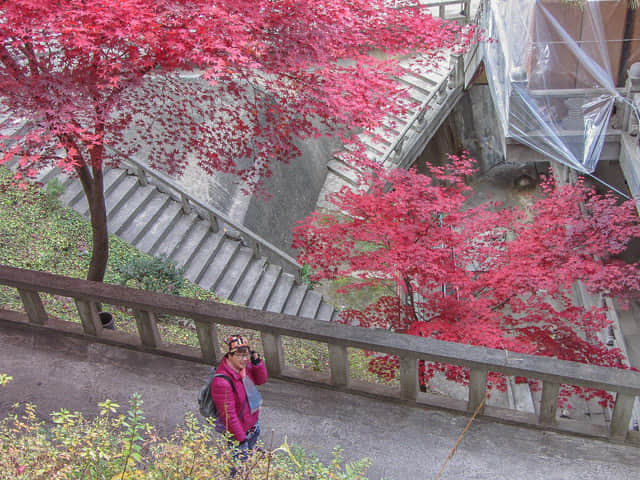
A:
[226,377]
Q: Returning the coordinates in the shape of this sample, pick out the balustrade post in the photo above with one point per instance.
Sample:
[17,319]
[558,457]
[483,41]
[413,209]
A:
[255,247]
[273,353]
[397,150]
[409,377]
[147,328]
[297,273]
[213,222]
[441,94]
[466,9]
[89,317]
[142,176]
[186,206]
[208,339]
[549,402]
[477,388]
[33,307]
[456,77]
[339,363]
[621,417]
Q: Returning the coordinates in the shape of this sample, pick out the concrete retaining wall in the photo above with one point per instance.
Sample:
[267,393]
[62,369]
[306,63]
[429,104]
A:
[473,125]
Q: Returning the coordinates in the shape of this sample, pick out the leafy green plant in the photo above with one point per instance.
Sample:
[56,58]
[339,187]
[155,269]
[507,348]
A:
[54,190]
[121,446]
[157,274]
[4,379]
[134,424]
[305,275]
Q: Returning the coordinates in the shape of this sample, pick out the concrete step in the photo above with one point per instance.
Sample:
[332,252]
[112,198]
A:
[48,173]
[112,179]
[280,293]
[12,129]
[73,193]
[268,281]
[121,193]
[325,312]
[156,231]
[332,184]
[248,284]
[417,95]
[121,216]
[203,256]
[295,299]
[149,212]
[375,147]
[310,305]
[190,245]
[431,69]
[228,283]
[380,137]
[344,170]
[178,233]
[220,263]
[371,153]
[423,81]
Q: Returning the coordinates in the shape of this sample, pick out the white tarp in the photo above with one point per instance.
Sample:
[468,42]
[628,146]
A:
[556,71]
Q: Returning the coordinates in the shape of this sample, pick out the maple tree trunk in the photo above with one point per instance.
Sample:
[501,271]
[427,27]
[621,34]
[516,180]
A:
[92,183]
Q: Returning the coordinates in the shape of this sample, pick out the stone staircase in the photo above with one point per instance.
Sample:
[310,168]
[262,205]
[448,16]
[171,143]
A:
[214,252]
[432,92]
[218,259]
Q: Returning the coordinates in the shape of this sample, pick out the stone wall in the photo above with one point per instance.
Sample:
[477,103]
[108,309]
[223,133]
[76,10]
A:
[473,125]
[294,189]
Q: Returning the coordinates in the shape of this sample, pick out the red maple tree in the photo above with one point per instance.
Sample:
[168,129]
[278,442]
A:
[480,274]
[230,83]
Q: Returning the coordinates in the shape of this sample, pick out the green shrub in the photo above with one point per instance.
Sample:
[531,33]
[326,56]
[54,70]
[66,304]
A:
[122,446]
[157,274]
[305,275]
[53,192]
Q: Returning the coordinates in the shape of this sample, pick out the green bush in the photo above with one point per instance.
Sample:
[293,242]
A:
[53,192]
[121,446]
[305,275]
[156,274]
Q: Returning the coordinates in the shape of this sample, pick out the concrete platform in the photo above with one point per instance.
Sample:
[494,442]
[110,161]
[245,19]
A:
[56,372]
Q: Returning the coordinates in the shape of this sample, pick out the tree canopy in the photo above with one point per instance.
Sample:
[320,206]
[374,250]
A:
[480,274]
[230,83]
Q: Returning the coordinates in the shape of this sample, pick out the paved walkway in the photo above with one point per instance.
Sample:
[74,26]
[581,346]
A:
[404,443]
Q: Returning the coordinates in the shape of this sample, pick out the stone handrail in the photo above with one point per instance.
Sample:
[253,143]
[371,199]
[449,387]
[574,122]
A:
[272,327]
[455,79]
[435,98]
[213,215]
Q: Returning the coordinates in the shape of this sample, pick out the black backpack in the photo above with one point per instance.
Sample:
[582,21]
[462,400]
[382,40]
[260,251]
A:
[205,402]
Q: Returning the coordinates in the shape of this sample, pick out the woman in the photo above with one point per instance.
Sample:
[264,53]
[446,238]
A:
[236,397]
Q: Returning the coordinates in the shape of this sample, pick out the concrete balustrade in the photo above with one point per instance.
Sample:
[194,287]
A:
[272,327]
